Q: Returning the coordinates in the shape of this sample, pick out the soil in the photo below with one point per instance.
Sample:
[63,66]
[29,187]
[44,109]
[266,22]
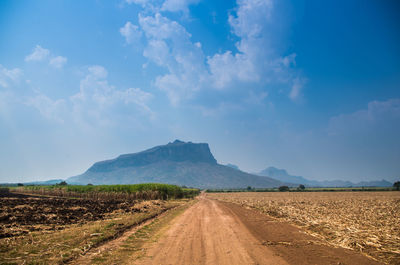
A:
[213,232]
[20,213]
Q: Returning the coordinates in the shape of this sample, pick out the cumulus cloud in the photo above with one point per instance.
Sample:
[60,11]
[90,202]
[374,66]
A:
[169,46]
[8,76]
[138,2]
[256,60]
[41,54]
[58,61]
[54,110]
[178,5]
[130,32]
[38,54]
[97,102]
[167,5]
[379,117]
[95,87]
[297,85]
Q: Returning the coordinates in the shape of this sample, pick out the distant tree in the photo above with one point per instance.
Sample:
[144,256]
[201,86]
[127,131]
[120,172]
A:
[397,185]
[63,183]
[184,187]
[249,188]
[284,188]
[301,187]
[90,184]
[20,184]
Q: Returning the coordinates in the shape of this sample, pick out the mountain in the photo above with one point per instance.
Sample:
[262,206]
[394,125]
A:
[283,176]
[179,163]
[233,166]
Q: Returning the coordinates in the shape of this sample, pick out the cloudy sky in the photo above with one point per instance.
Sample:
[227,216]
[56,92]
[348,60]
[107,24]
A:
[310,86]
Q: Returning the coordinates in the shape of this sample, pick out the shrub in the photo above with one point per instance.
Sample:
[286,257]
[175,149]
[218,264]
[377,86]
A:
[301,187]
[284,188]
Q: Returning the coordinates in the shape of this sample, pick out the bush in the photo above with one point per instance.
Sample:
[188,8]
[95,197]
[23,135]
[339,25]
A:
[284,188]
[301,187]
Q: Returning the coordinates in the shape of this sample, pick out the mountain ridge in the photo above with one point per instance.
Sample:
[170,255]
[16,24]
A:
[284,176]
[179,163]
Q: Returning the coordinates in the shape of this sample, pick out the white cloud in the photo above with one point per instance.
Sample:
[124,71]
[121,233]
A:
[131,33]
[138,2]
[58,61]
[295,92]
[178,5]
[169,46]
[256,61]
[96,95]
[167,5]
[38,54]
[96,103]
[51,109]
[380,117]
[7,76]
[41,54]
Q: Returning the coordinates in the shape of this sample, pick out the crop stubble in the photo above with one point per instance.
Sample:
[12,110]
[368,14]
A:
[368,222]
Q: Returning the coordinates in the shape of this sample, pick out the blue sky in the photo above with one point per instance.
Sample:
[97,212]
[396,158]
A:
[309,86]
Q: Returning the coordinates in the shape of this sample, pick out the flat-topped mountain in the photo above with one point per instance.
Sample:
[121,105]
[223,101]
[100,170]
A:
[177,151]
[180,163]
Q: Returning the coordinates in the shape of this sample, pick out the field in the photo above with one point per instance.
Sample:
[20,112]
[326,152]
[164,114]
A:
[145,191]
[368,222]
[53,224]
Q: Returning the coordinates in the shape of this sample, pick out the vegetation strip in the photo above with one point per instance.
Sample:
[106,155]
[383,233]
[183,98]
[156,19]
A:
[145,191]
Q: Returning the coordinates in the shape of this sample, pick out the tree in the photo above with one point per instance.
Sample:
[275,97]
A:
[63,183]
[397,185]
[284,188]
[301,187]
[20,184]
[249,188]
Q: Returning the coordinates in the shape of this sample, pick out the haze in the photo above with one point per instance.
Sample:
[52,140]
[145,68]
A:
[309,86]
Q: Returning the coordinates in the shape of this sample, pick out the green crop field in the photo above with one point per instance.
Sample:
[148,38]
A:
[132,191]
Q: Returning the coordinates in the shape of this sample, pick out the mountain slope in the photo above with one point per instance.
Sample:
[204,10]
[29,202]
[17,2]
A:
[283,176]
[177,163]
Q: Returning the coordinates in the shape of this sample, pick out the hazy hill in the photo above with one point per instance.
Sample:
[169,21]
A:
[283,176]
[233,166]
[179,163]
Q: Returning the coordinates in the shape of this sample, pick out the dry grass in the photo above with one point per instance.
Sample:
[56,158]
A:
[56,247]
[368,222]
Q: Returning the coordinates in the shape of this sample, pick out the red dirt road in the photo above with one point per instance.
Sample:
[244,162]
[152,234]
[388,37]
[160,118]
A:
[213,232]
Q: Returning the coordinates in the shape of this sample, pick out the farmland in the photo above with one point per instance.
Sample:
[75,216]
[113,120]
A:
[368,222]
[53,224]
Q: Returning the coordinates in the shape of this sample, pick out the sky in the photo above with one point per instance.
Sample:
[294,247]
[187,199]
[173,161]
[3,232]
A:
[309,86]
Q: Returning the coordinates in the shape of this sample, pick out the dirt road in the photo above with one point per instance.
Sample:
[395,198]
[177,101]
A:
[213,232]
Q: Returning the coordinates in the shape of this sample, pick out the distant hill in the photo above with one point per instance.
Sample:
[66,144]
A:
[44,182]
[233,166]
[180,163]
[283,176]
